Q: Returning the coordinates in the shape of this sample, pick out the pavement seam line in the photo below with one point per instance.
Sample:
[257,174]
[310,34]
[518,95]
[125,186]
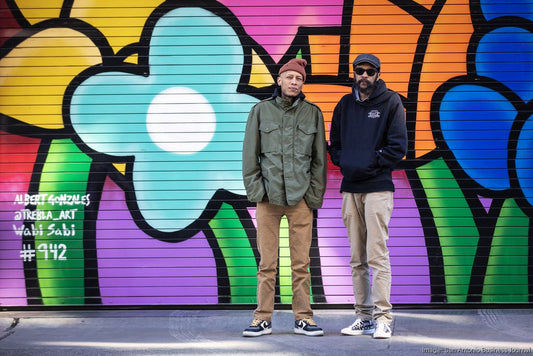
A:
[10,329]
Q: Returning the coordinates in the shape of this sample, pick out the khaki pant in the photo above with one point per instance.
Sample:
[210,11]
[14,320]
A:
[300,220]
[367,216]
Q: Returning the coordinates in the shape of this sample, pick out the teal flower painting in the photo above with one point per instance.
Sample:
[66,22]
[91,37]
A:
[176,117]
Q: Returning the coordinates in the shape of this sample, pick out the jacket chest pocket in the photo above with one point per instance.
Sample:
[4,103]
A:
[270,137]
[305,136]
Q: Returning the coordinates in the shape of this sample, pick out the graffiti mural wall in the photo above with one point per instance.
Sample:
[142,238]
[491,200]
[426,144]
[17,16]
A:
[121,142]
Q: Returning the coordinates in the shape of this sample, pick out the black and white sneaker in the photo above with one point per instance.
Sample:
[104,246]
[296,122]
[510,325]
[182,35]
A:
[258,328]
[307,327]
[360,327]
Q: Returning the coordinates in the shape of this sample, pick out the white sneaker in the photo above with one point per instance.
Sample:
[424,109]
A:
[382,331]
[360,327]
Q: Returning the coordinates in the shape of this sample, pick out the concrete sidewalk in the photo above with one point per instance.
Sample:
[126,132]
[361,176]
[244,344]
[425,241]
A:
[218,332]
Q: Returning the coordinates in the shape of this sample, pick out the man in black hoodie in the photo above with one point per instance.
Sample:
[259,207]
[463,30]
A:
[368,138]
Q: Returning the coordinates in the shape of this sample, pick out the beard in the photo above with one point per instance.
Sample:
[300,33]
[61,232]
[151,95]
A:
[370,86]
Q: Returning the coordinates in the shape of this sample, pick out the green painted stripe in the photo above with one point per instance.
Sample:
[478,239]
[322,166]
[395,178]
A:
[285,279]
[238,254]
[455,226]
[506,280]
[59,250]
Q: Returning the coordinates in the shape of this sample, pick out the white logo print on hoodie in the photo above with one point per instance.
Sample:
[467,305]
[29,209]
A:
[374,114]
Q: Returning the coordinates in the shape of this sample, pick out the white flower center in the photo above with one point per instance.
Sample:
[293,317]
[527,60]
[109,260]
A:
[181,120]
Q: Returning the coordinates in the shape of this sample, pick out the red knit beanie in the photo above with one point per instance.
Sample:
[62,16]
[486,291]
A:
[295,64]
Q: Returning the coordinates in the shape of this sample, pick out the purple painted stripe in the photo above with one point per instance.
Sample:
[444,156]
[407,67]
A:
[153,253]
[160,291]
[150,282]
[118,262]
[161,300]
[11,264]
[154,272]
[108,265]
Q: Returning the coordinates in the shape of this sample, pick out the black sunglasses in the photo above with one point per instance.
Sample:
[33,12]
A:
[370,72]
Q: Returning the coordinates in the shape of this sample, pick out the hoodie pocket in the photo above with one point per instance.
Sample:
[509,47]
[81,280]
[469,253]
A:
[360,166]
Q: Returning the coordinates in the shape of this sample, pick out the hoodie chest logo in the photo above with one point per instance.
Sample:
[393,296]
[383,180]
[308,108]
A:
[374,114]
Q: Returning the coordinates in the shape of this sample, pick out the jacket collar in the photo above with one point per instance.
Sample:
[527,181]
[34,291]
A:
[277,93]
[286,104]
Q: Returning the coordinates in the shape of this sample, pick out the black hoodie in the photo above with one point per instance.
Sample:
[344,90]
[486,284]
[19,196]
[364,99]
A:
[368,138]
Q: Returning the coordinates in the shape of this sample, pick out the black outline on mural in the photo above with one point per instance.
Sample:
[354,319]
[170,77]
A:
[33,290]
[102,164]
[116,62]
[435,259]
[142,69]
[11,125]
[486,221]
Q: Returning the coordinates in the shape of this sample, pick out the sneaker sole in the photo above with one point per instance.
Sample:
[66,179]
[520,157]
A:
[358,333]
[308,333]
[259,333]
[381,337]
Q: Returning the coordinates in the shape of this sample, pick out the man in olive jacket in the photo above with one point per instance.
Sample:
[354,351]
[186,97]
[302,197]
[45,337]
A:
[284,166]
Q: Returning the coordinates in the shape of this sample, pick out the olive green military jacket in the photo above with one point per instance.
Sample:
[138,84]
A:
[284,153]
